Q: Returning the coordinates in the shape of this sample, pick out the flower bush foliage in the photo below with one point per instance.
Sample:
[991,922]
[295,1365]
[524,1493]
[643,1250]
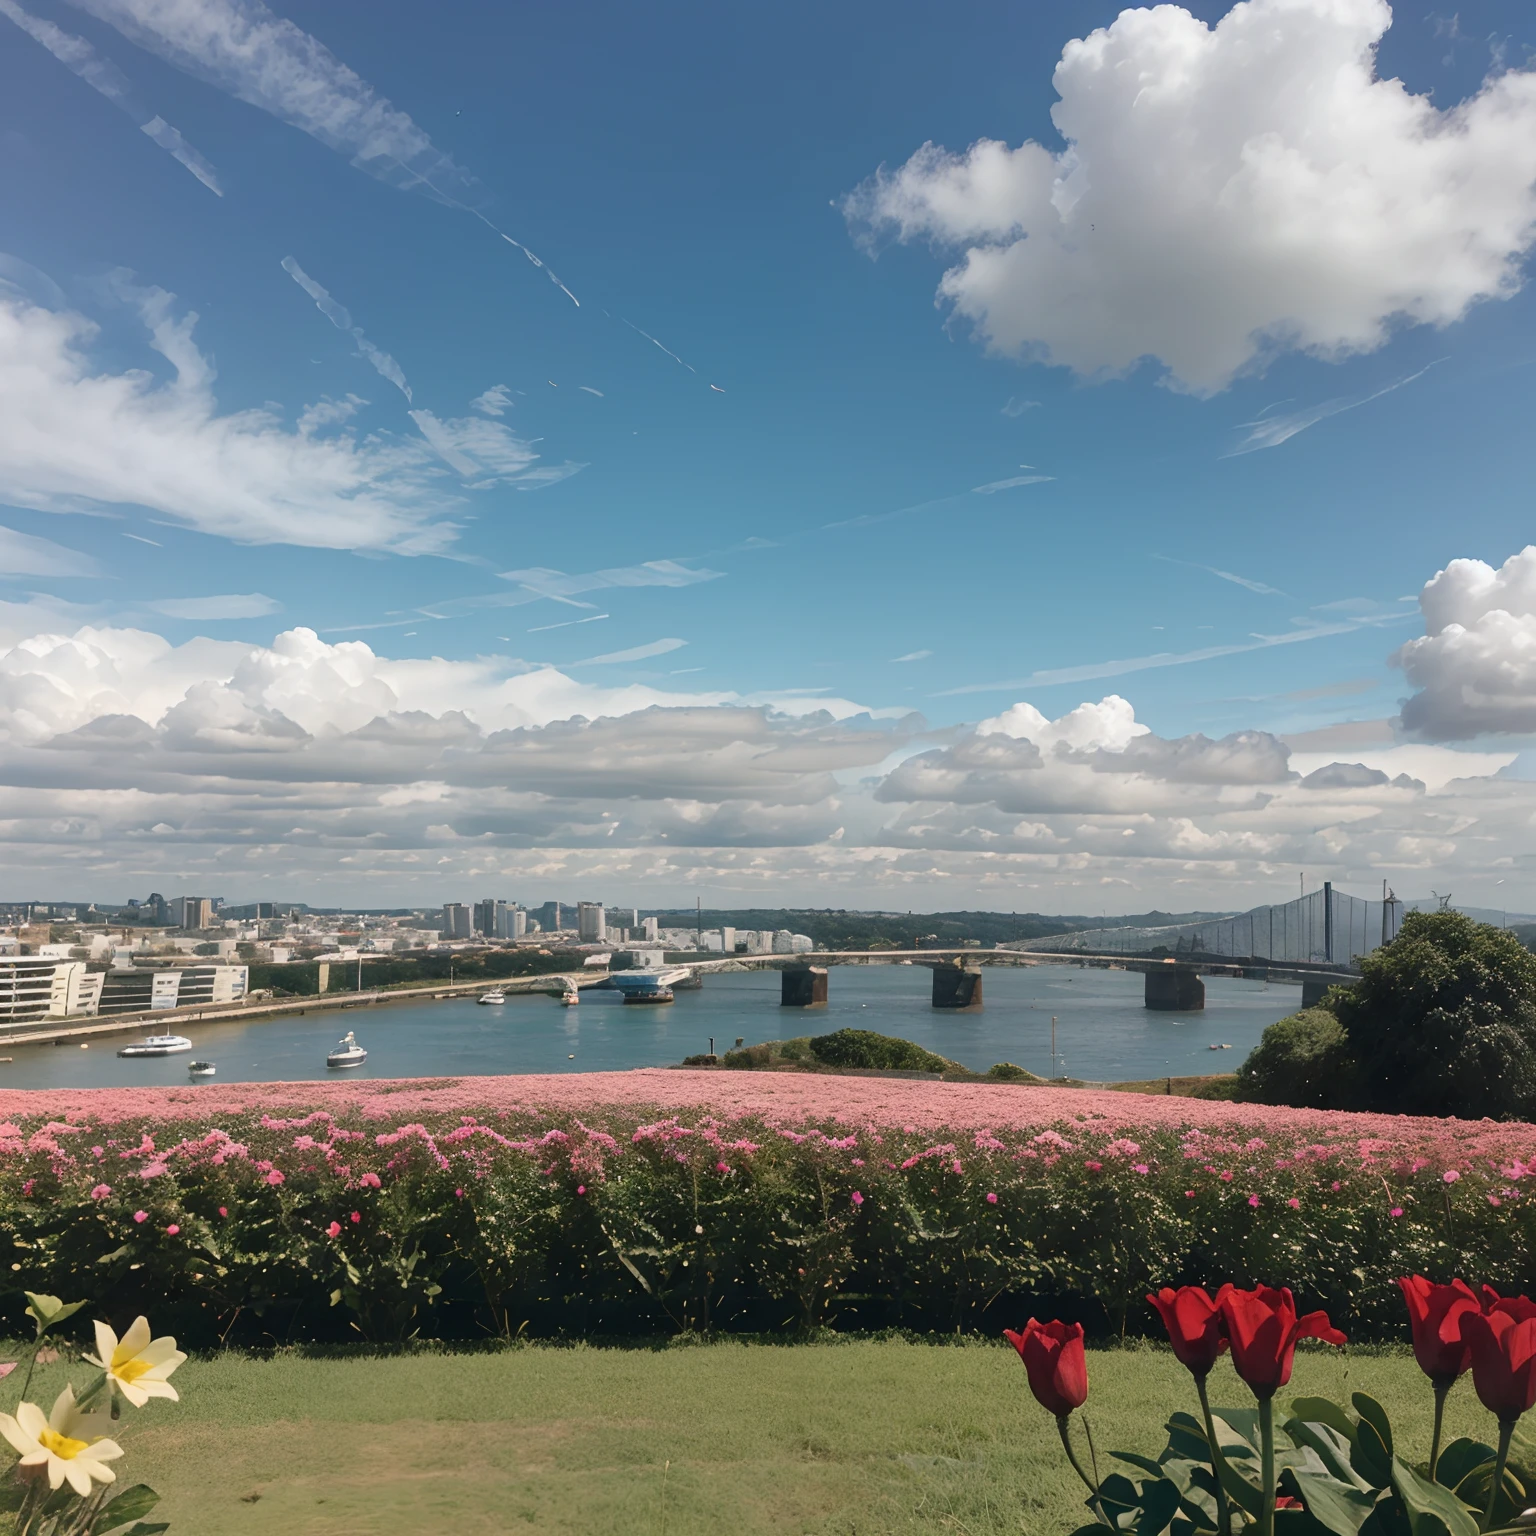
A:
[624,1203]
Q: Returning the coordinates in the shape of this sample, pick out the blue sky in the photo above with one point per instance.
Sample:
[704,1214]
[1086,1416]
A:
[816,481]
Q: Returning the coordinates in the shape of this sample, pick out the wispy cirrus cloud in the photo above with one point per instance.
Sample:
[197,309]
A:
[228,605]
[1211,570]
[1121,668]
[634,653]
[243,48]
[994,486]
[102,75]
[1270,431]
[341,317]
[79,437]
[22,554]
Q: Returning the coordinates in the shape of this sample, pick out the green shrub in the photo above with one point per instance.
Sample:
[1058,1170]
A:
[864,1048]
[1303,1061]
[1006,1072]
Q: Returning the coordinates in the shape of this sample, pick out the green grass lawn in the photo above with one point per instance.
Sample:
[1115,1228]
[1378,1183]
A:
[845,1438]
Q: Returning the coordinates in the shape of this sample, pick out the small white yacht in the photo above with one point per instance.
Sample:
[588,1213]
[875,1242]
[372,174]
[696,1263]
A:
[348,1053]
[571,996]
[158,1045]
[201,1068]
[491,998]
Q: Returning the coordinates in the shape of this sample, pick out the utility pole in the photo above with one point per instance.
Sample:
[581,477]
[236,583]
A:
[1053,1046]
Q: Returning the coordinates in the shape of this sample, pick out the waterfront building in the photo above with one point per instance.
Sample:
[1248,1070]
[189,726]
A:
[33,988]
[182,986]
[591,922]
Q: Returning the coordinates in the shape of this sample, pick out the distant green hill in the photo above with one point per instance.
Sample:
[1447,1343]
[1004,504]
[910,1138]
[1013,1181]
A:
[836,928]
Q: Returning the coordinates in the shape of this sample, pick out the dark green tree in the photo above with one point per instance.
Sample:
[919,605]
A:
[1304,1060]
[1443,1021]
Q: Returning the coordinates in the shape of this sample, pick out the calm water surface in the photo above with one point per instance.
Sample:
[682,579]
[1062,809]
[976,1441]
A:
[1103,1032]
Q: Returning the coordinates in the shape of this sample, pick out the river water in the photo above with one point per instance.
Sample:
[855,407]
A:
[1103,1032]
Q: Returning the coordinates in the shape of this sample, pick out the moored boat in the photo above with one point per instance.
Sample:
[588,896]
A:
[201,1068]
[158,1045]
[491,998]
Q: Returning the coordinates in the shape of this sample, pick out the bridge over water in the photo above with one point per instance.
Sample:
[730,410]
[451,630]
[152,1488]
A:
[1171,982]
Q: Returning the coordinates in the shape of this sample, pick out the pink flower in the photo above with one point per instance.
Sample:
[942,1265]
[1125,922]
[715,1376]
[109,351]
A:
[722,1167]
[857,1198]
[1189,1194]
[1294,1203]
[1396,1210]
[101,1192]
[141,1216]
[26,1188]
[1450,1176]
[357,1216]
[1253,1200]
[334,1230]
[1226,1178]
[172,1230]
[1139,1168]
[581,1189]
[274,1177]
[991,1198]
[223,1210]
[1335,1186]
[372,1180]
[1093,1167]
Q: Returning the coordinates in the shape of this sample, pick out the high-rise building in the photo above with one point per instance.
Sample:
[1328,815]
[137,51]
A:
[727,941]
[591,922]
[518,920]
[191,912]
[649,929]
[493,919]
[158,908]
[456,920]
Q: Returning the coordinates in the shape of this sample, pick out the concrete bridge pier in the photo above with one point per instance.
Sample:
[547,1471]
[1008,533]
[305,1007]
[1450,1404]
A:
[803,987]
[1175,987]
[955,987]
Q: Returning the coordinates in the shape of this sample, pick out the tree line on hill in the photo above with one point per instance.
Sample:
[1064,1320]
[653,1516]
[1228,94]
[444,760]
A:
[1441,1022]
[837,929]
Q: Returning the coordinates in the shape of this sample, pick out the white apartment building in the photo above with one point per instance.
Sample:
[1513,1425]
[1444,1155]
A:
[457,920]
[33,988]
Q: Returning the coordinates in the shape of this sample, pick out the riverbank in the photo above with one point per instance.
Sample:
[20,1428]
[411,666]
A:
[85,1029]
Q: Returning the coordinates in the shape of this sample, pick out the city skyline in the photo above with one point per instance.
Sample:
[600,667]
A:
[889,474]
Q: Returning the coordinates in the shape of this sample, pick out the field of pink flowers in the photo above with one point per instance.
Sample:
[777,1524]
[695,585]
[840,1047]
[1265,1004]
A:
[611,1203]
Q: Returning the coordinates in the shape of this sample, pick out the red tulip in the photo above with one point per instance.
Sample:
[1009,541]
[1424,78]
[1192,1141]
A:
[1435,1313]
[1262,1328]
[1194,1326]
[1503,1345]
[1053,1355]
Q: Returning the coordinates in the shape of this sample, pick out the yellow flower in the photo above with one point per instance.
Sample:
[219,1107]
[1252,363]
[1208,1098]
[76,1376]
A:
[66,1443]
[138,1365]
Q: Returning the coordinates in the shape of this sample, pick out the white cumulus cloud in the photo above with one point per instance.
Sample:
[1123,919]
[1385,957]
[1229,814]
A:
[1475,665]
[1227,192]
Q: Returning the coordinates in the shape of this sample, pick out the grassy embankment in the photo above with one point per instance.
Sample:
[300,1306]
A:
[834,1439]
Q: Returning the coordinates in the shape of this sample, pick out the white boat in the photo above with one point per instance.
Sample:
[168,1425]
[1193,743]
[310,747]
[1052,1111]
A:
[491,998]
[201,1068]
[158,1045]
[348,1052]
[570,997]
